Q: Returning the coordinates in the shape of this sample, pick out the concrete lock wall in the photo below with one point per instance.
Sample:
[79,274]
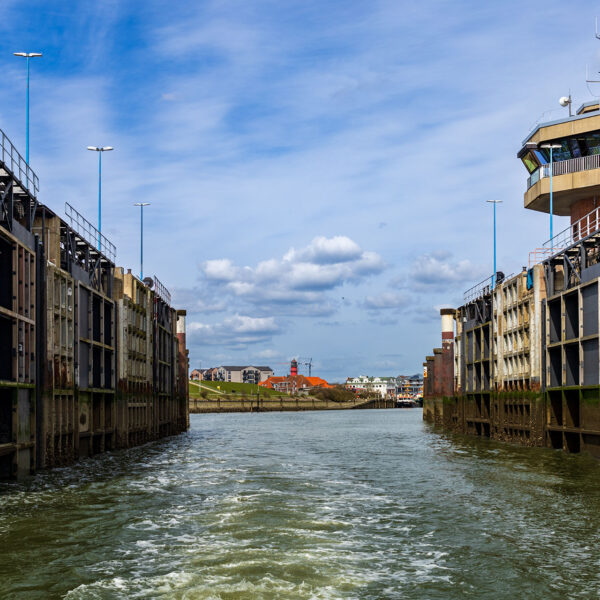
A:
[88,362]
[571,358]
[526,365]
[70,332]
[136,411]
[543,387]
[18,319]
[507,416]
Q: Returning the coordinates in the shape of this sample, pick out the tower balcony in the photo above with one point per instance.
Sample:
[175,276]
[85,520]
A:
[574,142]
[573,180]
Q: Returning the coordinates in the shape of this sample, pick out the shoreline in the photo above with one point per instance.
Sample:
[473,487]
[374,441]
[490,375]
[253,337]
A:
[280,404]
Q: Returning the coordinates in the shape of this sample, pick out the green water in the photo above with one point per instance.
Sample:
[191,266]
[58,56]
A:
[350,504]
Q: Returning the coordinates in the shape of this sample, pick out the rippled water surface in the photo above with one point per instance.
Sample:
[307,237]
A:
[350,504]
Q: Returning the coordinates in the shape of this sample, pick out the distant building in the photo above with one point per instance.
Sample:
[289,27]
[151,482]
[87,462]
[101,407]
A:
[410,387]
[384,386]
[292,384]
[242,374]
[233,374]
[201,374]
[209,374]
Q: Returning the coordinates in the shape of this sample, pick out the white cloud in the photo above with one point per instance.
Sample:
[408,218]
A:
[322,250]
[441,269]
[386,301]
[221,269]
[195,301]
[237,330]
[301,278]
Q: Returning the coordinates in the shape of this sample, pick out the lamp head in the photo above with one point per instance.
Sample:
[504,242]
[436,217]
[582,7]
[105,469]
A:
[564,101]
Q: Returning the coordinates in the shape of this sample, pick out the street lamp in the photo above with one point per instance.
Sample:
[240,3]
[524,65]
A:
[100,150]
[494,202]
[141,205]
[551,147]
[27,55]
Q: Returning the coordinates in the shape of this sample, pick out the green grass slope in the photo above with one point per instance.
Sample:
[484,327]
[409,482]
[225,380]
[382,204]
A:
[241,389]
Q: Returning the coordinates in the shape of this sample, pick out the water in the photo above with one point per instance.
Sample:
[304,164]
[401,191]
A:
[351,504]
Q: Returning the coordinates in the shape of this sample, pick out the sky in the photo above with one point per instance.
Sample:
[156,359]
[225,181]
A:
[317,170]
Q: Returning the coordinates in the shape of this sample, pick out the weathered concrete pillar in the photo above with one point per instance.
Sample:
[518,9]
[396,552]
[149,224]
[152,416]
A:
[430,376]
[446,361]
[438,370]
[428,386]
[182,371]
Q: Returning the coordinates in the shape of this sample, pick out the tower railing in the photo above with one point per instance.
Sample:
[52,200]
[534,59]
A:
[539,255]
[162,291]
[480,289]
[89,233]
[563,167]
[584,227]
[13,160]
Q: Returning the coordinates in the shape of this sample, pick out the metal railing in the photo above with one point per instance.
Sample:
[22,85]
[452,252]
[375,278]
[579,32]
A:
[586,226]
[89,233]
[563,167]
[162,291]
[481,289]
[18,166]
[539,255]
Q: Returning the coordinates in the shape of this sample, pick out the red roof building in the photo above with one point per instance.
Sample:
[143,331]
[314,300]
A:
[293,383]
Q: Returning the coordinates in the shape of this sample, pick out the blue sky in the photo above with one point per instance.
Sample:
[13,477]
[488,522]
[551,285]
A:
[317,170]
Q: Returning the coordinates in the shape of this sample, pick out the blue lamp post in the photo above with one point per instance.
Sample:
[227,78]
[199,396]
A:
[141,205]
[100,150]
[494,202]
[551,147]
[27,55]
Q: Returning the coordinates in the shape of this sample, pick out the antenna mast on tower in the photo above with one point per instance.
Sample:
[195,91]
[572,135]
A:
[587,77]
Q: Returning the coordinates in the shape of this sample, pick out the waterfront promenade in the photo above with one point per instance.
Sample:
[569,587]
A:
[332,504]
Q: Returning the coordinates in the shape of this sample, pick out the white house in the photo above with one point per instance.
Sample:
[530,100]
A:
[384,386]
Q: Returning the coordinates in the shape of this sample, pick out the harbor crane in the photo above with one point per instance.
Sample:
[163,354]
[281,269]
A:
[307,362]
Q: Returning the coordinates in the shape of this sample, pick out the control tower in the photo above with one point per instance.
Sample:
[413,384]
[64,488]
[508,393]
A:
[576,164]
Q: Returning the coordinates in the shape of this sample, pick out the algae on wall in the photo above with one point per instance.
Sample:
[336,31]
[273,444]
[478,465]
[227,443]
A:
[517,416]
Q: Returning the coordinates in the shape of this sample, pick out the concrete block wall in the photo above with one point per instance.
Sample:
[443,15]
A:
[571,366]
[19,305]
[60,426]
[495,366]
[517,329]
[137,404]
[88,362]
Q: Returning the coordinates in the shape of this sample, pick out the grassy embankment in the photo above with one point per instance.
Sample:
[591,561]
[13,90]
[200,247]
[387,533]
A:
[215,389]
